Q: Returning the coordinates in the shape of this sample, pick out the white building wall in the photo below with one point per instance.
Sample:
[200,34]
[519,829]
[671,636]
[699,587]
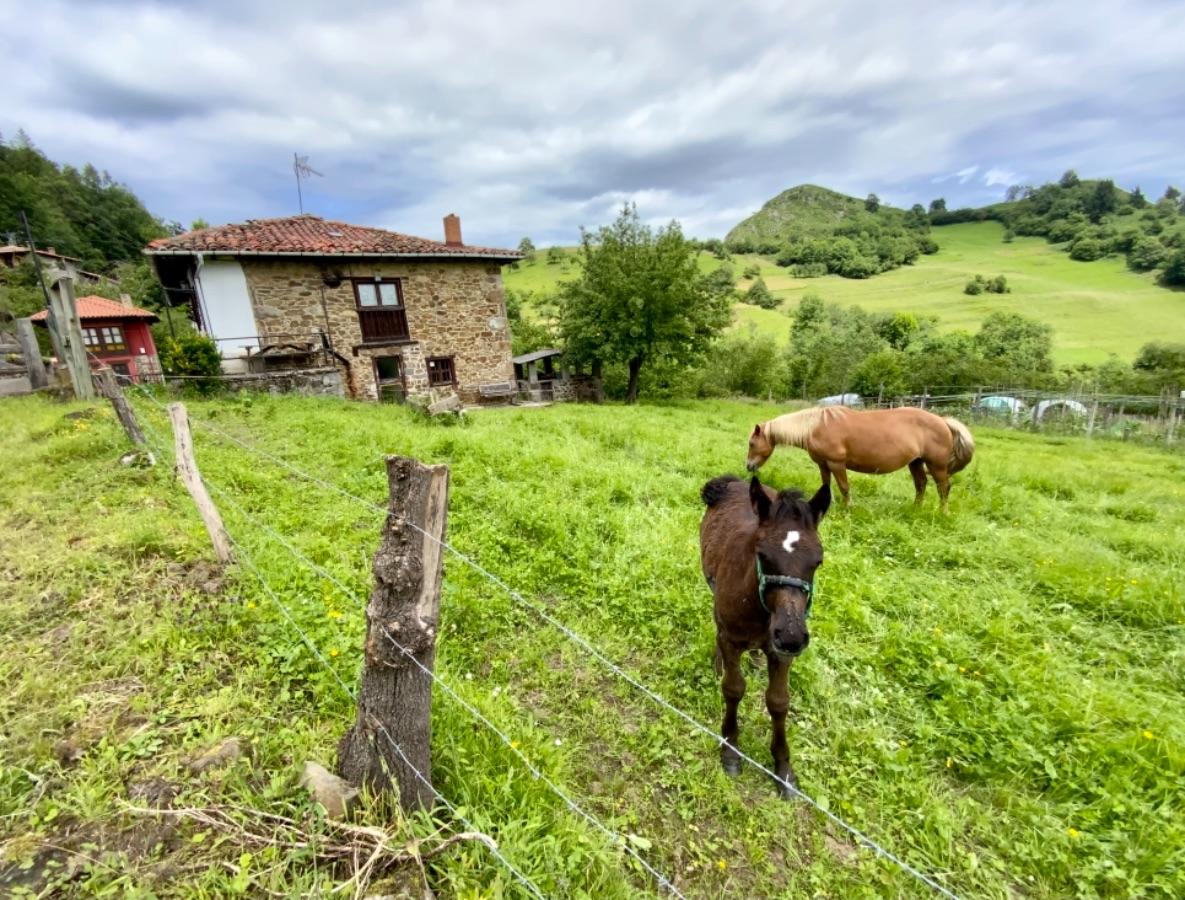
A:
[229,316]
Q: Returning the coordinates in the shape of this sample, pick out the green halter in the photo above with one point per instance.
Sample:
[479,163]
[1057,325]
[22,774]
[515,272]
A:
[789,581]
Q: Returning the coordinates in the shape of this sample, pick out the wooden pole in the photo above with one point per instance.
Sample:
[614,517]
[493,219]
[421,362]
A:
[65,318]
[1094,411]
[27,338]
[395,696]
[188,470]
[109,388]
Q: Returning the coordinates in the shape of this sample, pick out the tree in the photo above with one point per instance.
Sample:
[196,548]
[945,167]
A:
[1138,200]
[1087,249]
[872,203]
[1101,201]
[1013,193]
[1015,346]
[1174,270]
[527,248]
[1172,193]
[1146,253]
[555,256]
[1069,179]
[937,205]
[640,297]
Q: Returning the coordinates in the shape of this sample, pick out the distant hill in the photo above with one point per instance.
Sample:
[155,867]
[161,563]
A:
[807,211]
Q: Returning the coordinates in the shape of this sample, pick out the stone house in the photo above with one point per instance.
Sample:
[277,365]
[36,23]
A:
[396,315]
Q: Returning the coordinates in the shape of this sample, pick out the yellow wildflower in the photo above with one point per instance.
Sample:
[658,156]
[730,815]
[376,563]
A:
[333,651]
[949,762]
[250,604]
[1147,735]
[1072,832]
[721,865]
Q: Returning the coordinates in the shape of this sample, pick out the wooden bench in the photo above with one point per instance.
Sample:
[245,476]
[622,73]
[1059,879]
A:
[503,390]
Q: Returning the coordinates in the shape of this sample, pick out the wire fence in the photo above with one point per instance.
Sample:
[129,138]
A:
[569,633]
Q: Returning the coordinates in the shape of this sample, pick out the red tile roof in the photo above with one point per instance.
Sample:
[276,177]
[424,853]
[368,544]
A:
[101,308]
[313,236]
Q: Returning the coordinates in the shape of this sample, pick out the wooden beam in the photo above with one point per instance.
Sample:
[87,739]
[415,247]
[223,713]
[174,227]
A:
[27,338]
[188,470]
[395,697]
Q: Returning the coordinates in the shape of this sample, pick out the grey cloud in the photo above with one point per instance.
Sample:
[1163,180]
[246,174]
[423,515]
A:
[527,117]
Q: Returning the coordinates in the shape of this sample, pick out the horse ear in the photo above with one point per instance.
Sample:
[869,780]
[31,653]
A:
[821,502]
[759,499]
[756,430]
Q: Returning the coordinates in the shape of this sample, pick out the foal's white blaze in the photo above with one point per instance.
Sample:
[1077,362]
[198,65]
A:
[791,540]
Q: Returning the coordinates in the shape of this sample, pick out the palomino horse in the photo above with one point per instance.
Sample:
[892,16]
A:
[873,441]
[759,551]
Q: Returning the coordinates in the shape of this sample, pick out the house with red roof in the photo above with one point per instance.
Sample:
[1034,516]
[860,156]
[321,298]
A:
[116,334]
[396,315]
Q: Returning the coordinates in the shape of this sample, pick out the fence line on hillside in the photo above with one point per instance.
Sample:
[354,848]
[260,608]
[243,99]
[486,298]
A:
[246,559]
[861,838]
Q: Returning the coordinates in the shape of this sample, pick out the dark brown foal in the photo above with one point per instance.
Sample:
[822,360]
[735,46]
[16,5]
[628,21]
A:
[759,550]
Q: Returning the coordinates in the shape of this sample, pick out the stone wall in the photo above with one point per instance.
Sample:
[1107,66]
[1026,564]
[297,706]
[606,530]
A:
[453,309]
[323,382]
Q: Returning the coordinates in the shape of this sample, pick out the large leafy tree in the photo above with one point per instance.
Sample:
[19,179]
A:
[640,298]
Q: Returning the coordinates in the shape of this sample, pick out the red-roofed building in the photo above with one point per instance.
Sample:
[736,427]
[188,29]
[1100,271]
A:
[395,314]
[116,334]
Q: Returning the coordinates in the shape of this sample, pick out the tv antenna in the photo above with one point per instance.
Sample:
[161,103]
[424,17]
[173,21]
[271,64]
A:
[302,169]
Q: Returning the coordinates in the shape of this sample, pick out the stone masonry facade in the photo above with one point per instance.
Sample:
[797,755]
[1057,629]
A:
[455,309]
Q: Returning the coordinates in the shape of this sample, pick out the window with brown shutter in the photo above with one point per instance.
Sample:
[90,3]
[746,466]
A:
[380,310]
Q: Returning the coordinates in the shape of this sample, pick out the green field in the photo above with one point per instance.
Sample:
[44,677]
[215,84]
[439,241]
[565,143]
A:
[1096,308]
[996,695]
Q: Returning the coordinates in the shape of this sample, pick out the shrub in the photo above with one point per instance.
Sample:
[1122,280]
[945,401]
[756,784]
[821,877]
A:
[1087,249]
[190,354]
[752,271]
[1146,253]
[1009,236]
[809,270]
[857,266]
[554,255]
[760,295]
[975,285]
[1174,270]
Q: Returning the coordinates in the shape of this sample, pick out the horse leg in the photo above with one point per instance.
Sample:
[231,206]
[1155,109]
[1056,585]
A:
[777,701]
[840,471]
[942,480]
[825,474]
[733,688]
[917,469]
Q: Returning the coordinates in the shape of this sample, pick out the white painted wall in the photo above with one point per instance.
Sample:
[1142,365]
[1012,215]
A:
[227,306]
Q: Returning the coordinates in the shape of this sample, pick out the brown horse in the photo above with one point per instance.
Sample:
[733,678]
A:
[874,441]
[759,551]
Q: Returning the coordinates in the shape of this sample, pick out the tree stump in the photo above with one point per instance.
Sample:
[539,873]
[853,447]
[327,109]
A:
[395,696]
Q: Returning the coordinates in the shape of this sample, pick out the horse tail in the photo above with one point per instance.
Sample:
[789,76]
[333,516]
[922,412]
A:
[717,489]
[962,446]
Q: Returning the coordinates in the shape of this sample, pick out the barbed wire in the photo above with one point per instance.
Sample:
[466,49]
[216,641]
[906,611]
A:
[663,882]
[245,558]
[860,837]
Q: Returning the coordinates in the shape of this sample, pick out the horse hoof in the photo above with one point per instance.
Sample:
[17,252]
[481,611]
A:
[787,787]
[731,766]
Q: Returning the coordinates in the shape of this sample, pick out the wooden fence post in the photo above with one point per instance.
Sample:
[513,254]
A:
[65,319]
[188,470]
[109,388]
[395,696]
[27,338]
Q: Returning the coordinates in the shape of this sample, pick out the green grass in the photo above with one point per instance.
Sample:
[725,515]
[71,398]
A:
[1096,308]
[996,695]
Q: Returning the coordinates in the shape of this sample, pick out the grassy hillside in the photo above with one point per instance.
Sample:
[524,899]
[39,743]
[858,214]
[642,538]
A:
[805,211]
[996,695]
[1096,308]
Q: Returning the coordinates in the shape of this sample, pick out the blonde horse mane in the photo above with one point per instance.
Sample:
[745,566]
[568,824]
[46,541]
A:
[793,429]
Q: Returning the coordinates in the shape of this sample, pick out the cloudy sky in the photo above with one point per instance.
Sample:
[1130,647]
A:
[536,118]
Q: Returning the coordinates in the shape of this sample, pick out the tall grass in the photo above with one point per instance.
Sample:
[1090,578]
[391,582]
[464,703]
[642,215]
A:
[996,695]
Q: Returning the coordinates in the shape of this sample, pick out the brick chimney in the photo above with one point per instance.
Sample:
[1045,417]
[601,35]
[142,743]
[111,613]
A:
[452,230]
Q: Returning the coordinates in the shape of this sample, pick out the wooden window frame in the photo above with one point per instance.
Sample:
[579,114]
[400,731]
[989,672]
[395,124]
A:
[399,308]
[452,368]
[95,339]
